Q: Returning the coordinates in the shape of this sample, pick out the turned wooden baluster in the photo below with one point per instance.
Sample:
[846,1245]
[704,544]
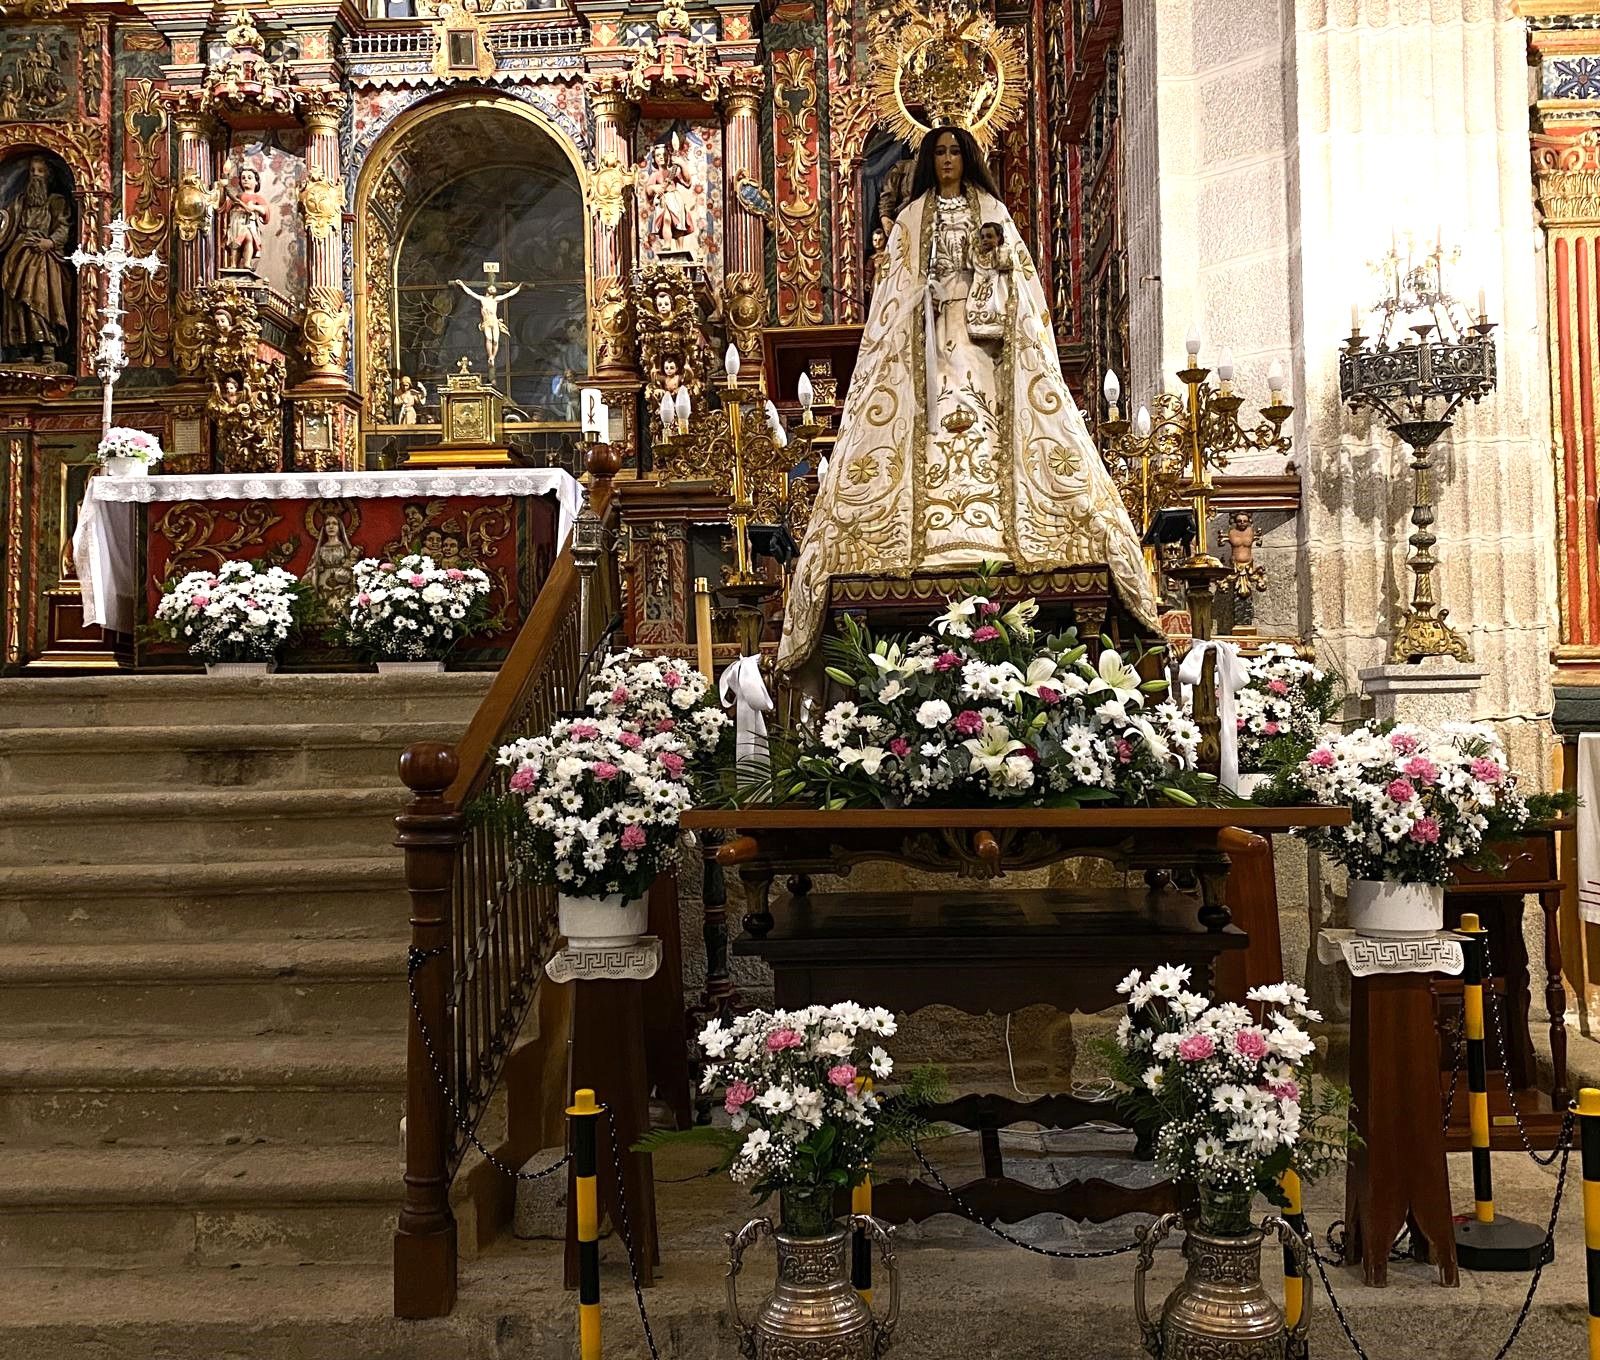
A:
[431,831]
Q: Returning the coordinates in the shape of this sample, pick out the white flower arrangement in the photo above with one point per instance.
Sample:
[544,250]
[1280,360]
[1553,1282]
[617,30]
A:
[1228,1089]
[1281,711]
[1420,799]
[122,442]
[987,708]
[413,609]
[795,1091]
[594,803]
[240,612]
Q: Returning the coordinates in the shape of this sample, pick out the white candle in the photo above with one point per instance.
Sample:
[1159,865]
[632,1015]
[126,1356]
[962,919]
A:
[1192,343]
[1483,305]
[590,402]
[1225,366]
[730,363]
[804,391]
[603,433]
[683,407]
[1355,319]
[1141,423]
[669,413]
[1112,388]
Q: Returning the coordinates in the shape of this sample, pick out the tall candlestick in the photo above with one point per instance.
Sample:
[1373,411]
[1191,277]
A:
[702,624]
[1483,305]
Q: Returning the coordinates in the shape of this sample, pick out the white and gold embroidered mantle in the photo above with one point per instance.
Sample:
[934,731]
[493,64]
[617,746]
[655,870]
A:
[954,451]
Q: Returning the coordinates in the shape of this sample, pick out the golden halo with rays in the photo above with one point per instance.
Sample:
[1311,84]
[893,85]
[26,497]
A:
[952,68]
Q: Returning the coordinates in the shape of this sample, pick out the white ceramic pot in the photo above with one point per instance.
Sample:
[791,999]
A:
[410,667]
[240,667]
[1386,910]
[601,922]
[1249,783]
[127,467]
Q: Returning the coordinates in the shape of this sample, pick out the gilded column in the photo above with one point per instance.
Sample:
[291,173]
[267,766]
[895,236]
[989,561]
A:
[194,251]
[744,279]
[327,319]
[611,239]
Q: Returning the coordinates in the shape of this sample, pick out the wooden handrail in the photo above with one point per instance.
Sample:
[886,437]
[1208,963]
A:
[528,654]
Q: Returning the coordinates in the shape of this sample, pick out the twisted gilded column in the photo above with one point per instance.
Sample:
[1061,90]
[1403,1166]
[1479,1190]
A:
[611,239]
[744,279]
[327,318]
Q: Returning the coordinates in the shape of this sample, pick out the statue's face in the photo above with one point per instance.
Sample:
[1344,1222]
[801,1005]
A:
[948,165]
[248,179]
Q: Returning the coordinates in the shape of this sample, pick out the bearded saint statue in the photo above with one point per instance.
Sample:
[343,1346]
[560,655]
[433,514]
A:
[34,284]
[958,448]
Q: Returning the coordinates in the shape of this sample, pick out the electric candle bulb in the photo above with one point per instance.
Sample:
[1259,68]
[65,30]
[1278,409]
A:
[1225,366]
[730,363]
[772,416]
[1275,378]
[1192,343]
[1355,319]
[1141,423]
[1112,388]
[669,413]
[1483,305]
[683,406]
[804,392]
[822,468]
[780,436]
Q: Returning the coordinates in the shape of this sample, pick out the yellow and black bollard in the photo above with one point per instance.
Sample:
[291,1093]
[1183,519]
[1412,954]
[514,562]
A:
[1589,1149]
[1294,1284]
[584,1116]
[1488,1241]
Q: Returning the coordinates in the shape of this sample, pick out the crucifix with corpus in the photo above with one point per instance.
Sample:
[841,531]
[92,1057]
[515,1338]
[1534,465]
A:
[489,301]
[109,357]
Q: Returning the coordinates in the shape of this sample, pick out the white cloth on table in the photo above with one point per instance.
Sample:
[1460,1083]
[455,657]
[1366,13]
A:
[1587,818]
[103,542]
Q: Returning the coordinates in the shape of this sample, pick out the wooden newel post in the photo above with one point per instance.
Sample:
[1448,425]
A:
[430,832]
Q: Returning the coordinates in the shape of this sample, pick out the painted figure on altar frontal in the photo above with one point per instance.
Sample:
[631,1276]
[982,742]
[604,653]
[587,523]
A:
[955,448]
[34,282]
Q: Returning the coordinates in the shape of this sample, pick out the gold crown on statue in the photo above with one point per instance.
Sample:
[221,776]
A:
[947,66]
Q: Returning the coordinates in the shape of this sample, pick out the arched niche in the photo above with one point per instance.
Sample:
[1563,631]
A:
[456,183]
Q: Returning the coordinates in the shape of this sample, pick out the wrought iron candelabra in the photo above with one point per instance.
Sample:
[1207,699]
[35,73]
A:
[1416,385]
[1169,457]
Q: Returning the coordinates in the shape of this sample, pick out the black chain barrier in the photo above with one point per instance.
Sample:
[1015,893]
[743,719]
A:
[1499,1028]
[627,1237]
[968,1212]
[415,959]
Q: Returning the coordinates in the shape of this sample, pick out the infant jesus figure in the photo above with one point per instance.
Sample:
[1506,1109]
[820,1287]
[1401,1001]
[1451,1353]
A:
[991,285]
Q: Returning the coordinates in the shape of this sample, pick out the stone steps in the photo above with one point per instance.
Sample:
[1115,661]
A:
[198,701]
[318,985]
[195,825]
[165,1092]
[230,755]
[197,1206]
[240,899]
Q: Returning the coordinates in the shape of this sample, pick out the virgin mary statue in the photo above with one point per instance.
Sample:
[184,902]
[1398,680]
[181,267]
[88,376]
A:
[959,442]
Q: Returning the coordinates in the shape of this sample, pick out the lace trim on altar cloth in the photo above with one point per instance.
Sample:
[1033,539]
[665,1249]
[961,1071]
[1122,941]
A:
[1365,955]
[341,485]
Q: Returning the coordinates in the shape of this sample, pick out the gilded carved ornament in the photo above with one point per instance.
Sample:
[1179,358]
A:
[326,325]
[1569,177]
[610,184]
[322,203]
[194,205]
[673,347]
[613,328]
[744,307]
[246,402]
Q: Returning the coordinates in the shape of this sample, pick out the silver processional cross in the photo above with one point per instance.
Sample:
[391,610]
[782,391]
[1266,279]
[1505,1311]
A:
[109,357]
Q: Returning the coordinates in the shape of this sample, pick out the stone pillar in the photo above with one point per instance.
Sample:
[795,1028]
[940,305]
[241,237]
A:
[611,237]
[744,264]
[327,320]
[194,249]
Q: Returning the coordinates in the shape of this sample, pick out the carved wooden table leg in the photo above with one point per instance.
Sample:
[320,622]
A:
[1555,997]
[1211,867]
[1399,1176]
[758,882]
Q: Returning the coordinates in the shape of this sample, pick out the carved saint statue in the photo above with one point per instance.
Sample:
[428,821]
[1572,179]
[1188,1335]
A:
[244,212]
[408,401]
[671,205]
[489,322]
[34,283]
[953,449]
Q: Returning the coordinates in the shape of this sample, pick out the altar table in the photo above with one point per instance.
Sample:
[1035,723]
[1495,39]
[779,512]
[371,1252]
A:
[187,522]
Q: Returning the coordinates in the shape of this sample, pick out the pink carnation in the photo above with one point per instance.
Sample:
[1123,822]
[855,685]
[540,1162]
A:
[453,573]
[673,679]
[900,747]
[363,598]
[1425,831]
[604,769]
[1486,770]
[1420,767]
[781,1039]
[201,601]
[619,695]
[989,609]
[632,740]
[1403,742]
[1322,758]
[1251,1043]
[946,661]
[1124,751]
[672,763]
[1401,790]
[666,725]
[969,722]
[522,780]
[1239,723]
[843,1076]
[1277,686]
[1271,729]
[1048,695]
[740,1094]
[633,837]
[988,633]
[1285,1090]
[385,566]
[584,731]
[419,581]
[1196,1048]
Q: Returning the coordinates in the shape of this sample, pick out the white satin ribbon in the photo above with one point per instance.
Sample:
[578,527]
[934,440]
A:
[1232,676]
[744,691]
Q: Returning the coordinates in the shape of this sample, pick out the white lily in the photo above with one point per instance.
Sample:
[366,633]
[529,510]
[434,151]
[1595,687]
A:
[1117,676]
[957,620]
[1019,618]
[888,658]
[1159,746]
[1041,671]
[990,750]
